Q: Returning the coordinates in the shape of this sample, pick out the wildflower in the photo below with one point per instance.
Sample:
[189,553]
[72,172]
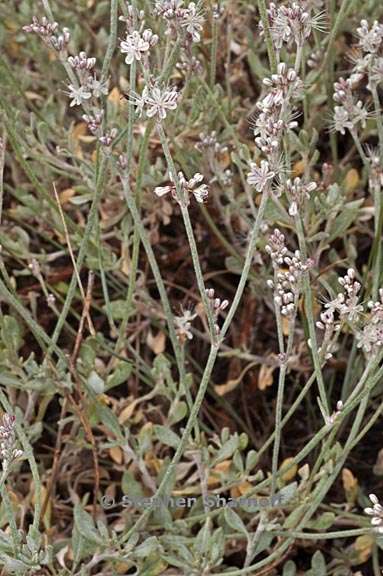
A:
[82,62]
[78,94]
[349,113]
[159,102]
[297,192]
[48,33]
[97,87]
[276,247]
[192,186]
[8,452]
[292,23]
[331,419]
[156,101]
[370,338]
[259,176]
[192,21]
[217,306]
[135,45]
[376,512]
[93,121]
[288,271]
[370,39]
[107,138]
[183,325]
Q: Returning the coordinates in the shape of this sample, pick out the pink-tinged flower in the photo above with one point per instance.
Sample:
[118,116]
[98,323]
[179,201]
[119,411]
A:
[260,175]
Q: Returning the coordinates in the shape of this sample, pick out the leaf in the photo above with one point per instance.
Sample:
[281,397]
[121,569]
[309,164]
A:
[350,485]
[85,525]
[227,449]
[177,412]
[318,564]
[96,383]
[120,375]
[234,521]
[289,569]
[291,469]
[130,486]
[116,454]
[265,377]
[11,334]
[363,548]
[344,220]
[323,522]
[157,342]
[107,417]
[351,180]
[167,436]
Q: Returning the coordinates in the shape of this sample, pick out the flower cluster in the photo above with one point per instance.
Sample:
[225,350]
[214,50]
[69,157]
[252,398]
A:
[347,304]
[291,23]
[288,271]
[370,39]
[88,85]
[94,120]
[376,512]
[183,325]
[155,101]
[179,18]
[188,187]
[259,176]
[275,113]
[370,338]
[48,32]
[349,112]
[367,327]
[137,45]
[298,192]
[8,452]
[217,306]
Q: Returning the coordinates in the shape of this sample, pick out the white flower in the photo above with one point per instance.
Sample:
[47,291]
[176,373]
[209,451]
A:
[78,95]
[98,88]
[192,21]
[260,175]
[200,192]
[342,120]
[134,46]
[158,101]
[376,512]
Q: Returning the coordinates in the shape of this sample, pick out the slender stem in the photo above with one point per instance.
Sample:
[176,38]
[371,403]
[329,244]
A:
[279,404]
[213,54]
[268,38]
[189,231]
[112,39]
[310,318]
[92,217]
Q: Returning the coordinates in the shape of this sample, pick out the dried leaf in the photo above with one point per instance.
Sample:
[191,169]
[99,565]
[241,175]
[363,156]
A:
[115,96]
[291,472]
[298,168]
[265,377]
[116,454]
[157,342]
[350,485]
[66,195]
[351,180]
[363,547]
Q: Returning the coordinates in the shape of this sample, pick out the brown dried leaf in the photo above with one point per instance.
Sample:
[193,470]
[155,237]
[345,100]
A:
[350,485]
[265,376]
[157,342]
